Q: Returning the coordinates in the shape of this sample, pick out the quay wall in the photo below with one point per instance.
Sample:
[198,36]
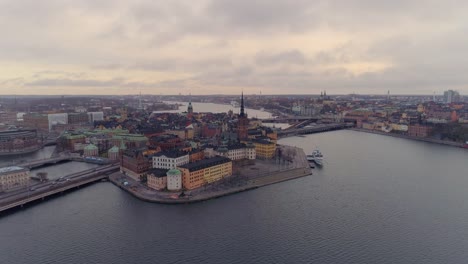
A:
[430,140]
[274,177]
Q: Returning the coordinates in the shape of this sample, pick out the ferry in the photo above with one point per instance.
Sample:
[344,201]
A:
[234,104]
[316,157]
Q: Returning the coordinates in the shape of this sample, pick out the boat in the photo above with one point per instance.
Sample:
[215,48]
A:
[316,157]
[235,104]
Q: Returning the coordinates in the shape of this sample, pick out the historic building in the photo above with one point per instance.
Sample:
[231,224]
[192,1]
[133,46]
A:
[197,174]
[157,179]
[174,180]
[237,152]
[13,142]
[265,149]
[243,122]
[190,109]
[134,163]
[11,177]
[170,159]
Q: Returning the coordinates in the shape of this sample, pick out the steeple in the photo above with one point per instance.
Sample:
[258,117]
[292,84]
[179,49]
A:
[242,105]
[190,107]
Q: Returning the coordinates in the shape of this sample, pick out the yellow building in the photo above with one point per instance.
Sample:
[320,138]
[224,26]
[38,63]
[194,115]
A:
[265,149]
[197,174]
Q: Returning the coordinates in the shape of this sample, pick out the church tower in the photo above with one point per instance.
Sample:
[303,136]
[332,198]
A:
[190,108]
[243,122]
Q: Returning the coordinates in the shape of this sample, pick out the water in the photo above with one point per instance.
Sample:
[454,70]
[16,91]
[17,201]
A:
[43,153]
[56,171]
[377,200]
[218,108]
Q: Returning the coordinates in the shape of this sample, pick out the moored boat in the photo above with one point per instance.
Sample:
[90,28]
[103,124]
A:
[316,157]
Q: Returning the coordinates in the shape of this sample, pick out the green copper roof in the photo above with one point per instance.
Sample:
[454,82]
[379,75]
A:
[174,172]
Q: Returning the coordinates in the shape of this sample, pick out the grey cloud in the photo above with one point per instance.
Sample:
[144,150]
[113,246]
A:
[287,57]
[77,83]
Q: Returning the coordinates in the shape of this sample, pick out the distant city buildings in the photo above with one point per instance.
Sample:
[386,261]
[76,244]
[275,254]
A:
[451,96]
[19,141]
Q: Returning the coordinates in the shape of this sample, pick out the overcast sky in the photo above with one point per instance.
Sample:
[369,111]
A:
[226,46]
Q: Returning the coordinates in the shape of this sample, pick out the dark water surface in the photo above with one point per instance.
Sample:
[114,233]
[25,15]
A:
[377,200]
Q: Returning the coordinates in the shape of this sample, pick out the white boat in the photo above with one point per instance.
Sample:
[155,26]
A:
[316,157]
[235,104]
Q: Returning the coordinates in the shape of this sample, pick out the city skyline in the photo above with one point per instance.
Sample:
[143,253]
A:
[224,47]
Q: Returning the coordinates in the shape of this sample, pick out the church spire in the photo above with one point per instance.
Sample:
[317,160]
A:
[190,107]
[242,105]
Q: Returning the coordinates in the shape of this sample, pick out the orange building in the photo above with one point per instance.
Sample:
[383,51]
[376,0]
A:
[196,155]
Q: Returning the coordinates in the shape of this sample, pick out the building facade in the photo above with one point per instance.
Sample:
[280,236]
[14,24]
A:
[157,179]
[237,152]
[170,159]
[12,177]
[419,130]
[197,174]
[174,180]
[13,142]
[134,163]
[264,149]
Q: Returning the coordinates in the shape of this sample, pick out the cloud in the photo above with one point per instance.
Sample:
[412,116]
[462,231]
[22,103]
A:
[76,83]
[222,45]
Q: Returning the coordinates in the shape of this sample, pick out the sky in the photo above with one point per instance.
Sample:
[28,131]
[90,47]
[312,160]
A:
[228,46]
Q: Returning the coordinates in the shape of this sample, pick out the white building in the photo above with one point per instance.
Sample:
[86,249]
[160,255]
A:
[11,177]
[174,180]
[170,160]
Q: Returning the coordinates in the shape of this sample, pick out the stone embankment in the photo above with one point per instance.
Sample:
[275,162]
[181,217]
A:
[430,140]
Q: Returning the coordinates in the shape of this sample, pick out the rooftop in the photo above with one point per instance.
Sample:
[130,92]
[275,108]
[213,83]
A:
[158,172]
[205,163]
[171,154]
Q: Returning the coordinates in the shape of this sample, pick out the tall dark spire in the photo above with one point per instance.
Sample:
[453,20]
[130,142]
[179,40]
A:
[242,105]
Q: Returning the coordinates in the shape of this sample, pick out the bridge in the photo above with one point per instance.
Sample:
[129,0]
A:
[42,162]
[292,119]
[54,160]
[42,190]
[313,129]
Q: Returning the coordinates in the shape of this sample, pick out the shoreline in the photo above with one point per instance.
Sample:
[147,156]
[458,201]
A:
[429,140]
[252,184]
[244,181]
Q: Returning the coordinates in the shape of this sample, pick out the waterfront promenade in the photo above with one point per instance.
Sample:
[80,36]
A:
[430,140]
[264,172]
